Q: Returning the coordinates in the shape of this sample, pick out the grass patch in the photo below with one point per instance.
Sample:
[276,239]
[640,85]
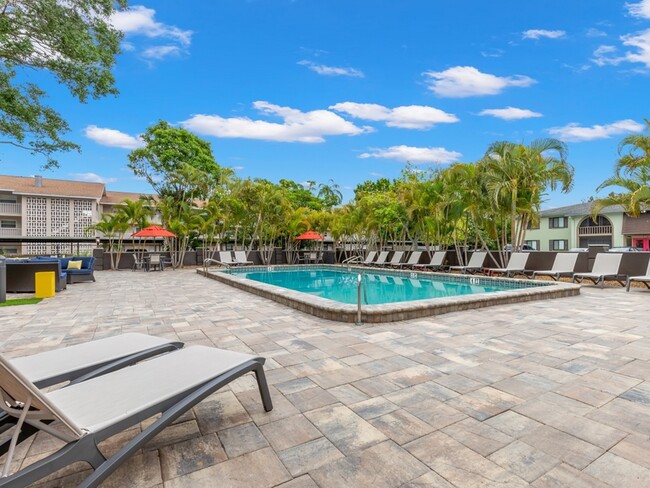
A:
[20,301]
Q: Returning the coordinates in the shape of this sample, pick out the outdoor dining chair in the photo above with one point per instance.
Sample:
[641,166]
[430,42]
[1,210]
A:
[94,410]
[155,262]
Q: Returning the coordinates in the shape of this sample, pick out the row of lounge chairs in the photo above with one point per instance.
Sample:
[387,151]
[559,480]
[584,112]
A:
[436,263]
[105,397]
[606,266]
[233,258]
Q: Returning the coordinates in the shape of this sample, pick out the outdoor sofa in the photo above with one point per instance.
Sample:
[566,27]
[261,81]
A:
[85,271]
[21,274]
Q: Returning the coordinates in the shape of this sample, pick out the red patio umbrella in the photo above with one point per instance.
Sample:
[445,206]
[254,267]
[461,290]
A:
[154,231]
[310,235]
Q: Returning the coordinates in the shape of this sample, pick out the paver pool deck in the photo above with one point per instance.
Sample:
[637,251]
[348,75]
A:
[543,394]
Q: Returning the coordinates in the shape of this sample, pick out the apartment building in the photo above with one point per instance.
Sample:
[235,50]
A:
[49,216]
[573,226]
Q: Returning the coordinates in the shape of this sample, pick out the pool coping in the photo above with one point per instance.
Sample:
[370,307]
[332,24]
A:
[391,312]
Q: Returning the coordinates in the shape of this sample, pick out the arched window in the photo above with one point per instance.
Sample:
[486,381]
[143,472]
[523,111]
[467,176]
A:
[595,231]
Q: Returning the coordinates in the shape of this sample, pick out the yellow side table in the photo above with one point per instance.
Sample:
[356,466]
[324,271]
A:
[44,284]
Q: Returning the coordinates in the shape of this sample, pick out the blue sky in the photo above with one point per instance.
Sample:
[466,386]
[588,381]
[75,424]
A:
[351,90]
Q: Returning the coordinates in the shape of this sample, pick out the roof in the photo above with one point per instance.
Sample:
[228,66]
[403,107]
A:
[26,185]
[581,209]
[115,197]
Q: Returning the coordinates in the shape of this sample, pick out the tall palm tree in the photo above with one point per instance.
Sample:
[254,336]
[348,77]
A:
[632,173]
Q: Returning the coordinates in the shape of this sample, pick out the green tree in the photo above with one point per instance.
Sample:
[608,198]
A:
[176,163]
[72,40]
[631,173]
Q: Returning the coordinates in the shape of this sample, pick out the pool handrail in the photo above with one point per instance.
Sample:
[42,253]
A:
[206,261]
[352,259]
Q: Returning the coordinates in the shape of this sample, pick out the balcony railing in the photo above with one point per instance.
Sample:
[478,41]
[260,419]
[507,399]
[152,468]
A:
[10,209]
[7,232]
[595,230]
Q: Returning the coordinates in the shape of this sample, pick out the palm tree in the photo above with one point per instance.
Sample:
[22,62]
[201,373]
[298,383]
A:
[517,177]
[632,173]
[135,214]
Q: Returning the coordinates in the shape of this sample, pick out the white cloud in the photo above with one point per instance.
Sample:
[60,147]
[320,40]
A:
[493,53]
[576,133]
[237,168]
[296,126]
[415,155]
[406,117]
[467,81]
[510,113]
[593,32]
[640,42]
[324,70]
[539,33]
[92,178]
[112,137]
[160,52]
[140,20]
[640,10]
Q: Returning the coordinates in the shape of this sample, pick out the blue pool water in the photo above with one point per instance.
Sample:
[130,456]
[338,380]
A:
[377,288]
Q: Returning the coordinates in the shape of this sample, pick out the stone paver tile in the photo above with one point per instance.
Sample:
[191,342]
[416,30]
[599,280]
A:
[459,464]
[550,406]
[588,430]
[578,366]
[523,460]
[340,377]
[584,394]
[564,475]
[489,372]
[485,402]
[413,376]
[376,386]
[282,407]
[374,407]
[384,465]
[636,369]
[512,423]
[220,411]
[290,432]
[309,456]
[459,383]
[608,381]
[175,433]
[618,471]
[563,446]
[304,481]
[401,426]
[429,480]
[192,455]
[640,393]
[311,398]
[261,469]
[345,429]
[295,385]
[435,413]
[242,439]
[635,448]
[141,471]
[348,394]
[478,436]
[525,385]
[421,392]
[624,415]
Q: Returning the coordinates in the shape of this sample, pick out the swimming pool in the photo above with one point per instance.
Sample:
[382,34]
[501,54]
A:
[387,295]
[377,287]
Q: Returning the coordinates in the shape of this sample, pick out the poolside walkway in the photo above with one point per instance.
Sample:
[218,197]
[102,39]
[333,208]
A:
[547,394]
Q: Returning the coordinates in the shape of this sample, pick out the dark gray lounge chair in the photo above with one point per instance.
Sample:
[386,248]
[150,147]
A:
[606,265]
[516,265]
[563,265]
[84,361]
[413,260]
[93,410]
[437,262]
[645,279]
[475,263]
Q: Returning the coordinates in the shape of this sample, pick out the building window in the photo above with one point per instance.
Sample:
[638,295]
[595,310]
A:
[8,199]
[558,244]
[532,226]
[533,244]
[558,223]
[8,224]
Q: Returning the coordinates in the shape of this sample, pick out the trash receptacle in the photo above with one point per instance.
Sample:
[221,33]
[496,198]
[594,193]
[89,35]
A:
[44,286]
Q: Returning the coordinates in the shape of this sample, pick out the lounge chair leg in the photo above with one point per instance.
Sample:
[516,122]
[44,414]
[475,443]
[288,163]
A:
[264,388]
[627,285]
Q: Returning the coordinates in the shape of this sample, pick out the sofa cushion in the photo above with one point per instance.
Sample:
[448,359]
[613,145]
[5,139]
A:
[74,264]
